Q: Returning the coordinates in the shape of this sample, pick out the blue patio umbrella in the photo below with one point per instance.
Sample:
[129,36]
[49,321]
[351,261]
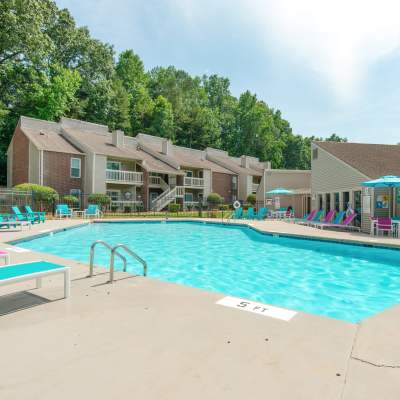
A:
[279,191]
[390,181]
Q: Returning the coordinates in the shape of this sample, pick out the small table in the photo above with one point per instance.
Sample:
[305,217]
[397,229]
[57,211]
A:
[79,214]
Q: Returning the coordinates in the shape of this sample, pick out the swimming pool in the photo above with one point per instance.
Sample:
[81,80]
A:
[336,280]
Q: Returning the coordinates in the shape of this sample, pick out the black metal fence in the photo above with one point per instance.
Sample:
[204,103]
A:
[113,209]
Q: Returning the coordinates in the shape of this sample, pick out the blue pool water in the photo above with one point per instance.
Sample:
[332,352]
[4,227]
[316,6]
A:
[339,281]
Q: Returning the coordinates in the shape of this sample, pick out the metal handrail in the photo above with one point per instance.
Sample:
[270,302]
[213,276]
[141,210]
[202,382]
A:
[105,244]
[130,252]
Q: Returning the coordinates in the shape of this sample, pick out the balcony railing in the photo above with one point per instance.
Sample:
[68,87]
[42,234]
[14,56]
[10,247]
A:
[255,187]
[124,176]
[196,182]
[154,180]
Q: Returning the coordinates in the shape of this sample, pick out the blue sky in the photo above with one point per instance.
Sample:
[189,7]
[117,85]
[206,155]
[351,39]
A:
[329,66]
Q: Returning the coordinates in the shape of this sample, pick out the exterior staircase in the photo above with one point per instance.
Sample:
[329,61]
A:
[167,197]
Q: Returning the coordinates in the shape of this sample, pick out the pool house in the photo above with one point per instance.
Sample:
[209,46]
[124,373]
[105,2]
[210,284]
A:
[338,171]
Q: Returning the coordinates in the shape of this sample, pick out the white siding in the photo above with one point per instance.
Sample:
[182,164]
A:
[330,175]
[207,176]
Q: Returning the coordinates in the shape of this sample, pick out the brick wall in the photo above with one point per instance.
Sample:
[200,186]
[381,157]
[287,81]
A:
[20,157]
[222,184]
[57,172]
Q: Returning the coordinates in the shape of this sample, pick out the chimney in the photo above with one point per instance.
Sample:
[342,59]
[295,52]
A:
[167,147]
[244,161]
[118,138]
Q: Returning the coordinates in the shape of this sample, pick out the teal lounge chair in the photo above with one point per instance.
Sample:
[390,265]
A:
[317,218]
[34,271]
[62,210]
[250,213]
[38,215]
[262,213]
[93,210]
[237,213]
[19,216]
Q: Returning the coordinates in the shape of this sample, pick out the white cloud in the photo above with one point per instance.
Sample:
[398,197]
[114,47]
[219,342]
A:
[339,40]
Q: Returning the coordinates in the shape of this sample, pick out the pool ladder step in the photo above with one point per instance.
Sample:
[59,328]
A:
[113,253]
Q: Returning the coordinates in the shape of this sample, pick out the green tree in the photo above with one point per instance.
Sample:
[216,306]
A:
[162,119]
[55,94]
[118,114]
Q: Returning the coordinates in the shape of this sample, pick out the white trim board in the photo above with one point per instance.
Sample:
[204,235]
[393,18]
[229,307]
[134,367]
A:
[257,308]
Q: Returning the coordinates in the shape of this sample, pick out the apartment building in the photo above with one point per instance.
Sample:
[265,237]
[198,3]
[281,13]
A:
[338,170]
[77,157]
[145,171]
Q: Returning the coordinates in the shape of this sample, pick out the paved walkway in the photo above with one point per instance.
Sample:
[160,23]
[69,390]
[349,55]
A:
[143,338]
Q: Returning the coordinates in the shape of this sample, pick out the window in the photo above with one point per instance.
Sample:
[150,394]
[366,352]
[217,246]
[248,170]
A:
[114,165]
[188,197]
[337,202]
[234,182]
[75,167]
[114,195]
[75,192]
[328,202]
[189,174]
[315,154]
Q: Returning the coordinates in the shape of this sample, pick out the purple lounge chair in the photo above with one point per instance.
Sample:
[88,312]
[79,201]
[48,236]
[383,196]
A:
[344,224]
[327,220]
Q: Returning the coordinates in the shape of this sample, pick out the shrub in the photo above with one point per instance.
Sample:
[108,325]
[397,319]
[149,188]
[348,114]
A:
[69,199]
[251,198]
[40,193]
[214,199]
[224,207]
[99,199]
[174,207]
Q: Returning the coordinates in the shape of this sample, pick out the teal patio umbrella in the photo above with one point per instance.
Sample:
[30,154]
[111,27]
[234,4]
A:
[279,191]
[388,181]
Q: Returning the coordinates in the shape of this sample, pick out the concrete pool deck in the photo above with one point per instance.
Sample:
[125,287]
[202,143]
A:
[144,338]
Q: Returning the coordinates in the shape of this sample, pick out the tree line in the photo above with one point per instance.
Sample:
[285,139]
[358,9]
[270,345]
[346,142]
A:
[50,67]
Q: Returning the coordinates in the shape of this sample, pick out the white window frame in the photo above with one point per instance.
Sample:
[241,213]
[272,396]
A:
[113,191]
[71,167]
[189,172]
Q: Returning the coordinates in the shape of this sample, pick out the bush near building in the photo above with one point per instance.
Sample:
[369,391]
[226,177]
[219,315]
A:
[214,199]
[251,199]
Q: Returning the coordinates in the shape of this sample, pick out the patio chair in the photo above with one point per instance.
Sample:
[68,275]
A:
[250,213]
[19,216]
[237,213]
[306,218]
[262,213]
[8,221]
[317,218]
[40,216]
[93,210]
[330,215]
[62,210]
[345,224]
[384,224]
[35,270]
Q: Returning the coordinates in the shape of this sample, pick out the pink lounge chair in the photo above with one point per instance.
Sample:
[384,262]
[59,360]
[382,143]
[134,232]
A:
[384,224]
[309,218]
[327,220]
[345,223]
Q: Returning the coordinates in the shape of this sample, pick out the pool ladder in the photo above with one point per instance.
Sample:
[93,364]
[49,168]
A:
[114,253]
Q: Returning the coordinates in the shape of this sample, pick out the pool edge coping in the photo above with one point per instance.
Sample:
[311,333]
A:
[345,241]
